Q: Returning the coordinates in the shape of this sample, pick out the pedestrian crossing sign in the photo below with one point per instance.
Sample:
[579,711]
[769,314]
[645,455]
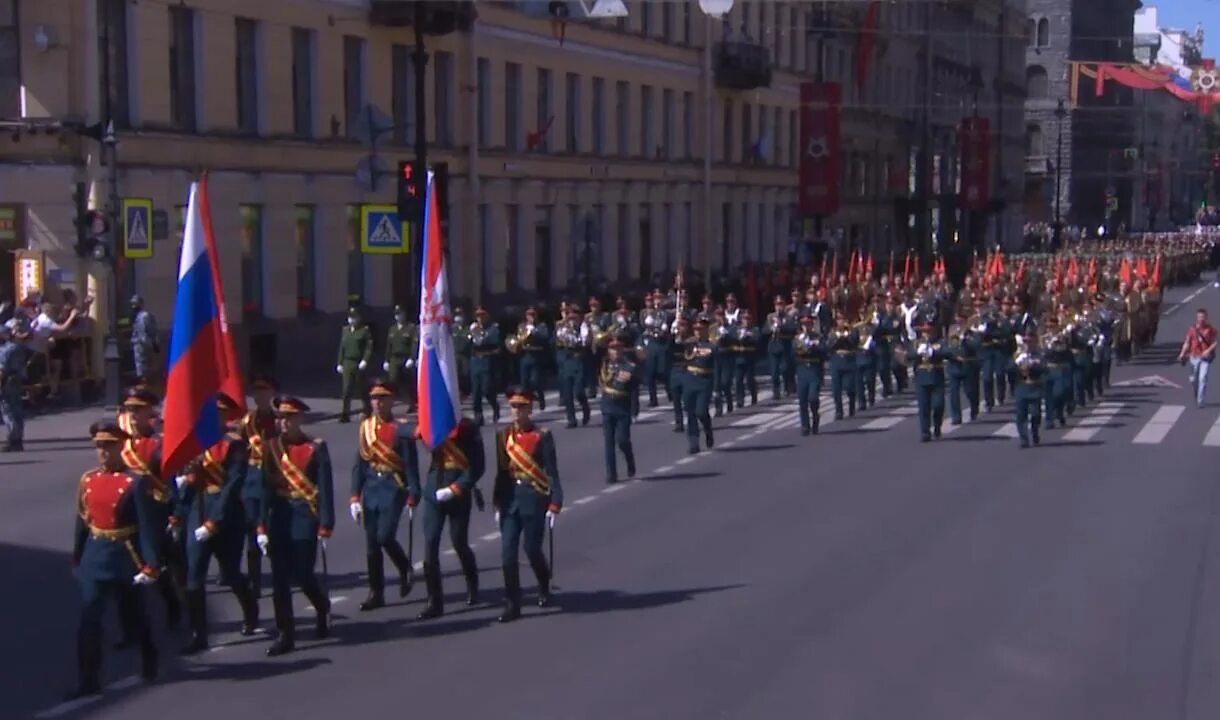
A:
[137,228]
[381,232]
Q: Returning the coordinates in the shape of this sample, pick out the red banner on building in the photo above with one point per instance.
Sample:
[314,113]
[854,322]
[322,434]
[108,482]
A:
[821,148]
[975,137]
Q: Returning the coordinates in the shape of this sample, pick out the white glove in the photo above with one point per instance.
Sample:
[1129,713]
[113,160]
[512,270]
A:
[497,518]
[410,363]
[410,512]
[180,481]
[1022,357]
[357,511]
[339,369]
[263,542]
[363,364]
[143,579]
[385,366]
[444,494]
[983,327]
[550,518]
[175,533]
[202,533]
[923,349]
[868,344]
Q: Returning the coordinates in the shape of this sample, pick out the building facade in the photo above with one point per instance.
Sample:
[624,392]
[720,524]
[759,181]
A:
[608,157]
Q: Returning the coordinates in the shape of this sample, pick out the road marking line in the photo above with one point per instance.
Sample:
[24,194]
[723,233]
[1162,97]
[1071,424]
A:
[584,500]
[756,419]
[612,489]
[905,410]
[1155,430]
[1007,430]
[1187,299]
[1093,422]
[663,469]
[883,423]
[686,460]
[1213,435]
[951,428]
[489,536]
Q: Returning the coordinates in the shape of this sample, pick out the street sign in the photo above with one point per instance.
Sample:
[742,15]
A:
[137,228]
[1149,381]
[381,233]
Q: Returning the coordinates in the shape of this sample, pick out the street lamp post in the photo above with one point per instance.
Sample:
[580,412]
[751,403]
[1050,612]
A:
[111,364]
[1060,114]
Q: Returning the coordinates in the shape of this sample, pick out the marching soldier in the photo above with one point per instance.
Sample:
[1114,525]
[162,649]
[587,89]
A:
[141,451]
[810,350]
[533,337]
[1103,354]
[145,343]
[962,354]
[618,380]
[893,334]
[115,550]
[528,497]
[655,336]
[461,350]
[1028,398]
[700,358]
[1082,339]
[385,471]
[720,333]
[778,332]
[258,427]
[995,332]
[571,349]
[866,359]
[210,508]
[298,513]
[401,349]
[447,495]
[355,350]
[929,380]
[12,378]
[596,322]
[842,346]
[682,337]
[484,349]
[1057,375]
[744,353]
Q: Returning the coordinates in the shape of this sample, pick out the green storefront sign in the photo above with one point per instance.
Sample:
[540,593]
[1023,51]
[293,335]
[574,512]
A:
[12,230]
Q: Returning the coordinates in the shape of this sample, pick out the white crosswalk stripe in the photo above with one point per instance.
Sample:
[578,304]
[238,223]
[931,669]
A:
[1093,423]
[1007,430]
[1213,435]
[1155,430]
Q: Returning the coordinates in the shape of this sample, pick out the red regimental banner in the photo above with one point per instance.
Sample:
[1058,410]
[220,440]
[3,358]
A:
[821,148]
[976,163]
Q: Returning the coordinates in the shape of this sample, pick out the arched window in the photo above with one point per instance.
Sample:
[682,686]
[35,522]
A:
[1033,140]
[1044,33]
[1030,29]
[1036,84]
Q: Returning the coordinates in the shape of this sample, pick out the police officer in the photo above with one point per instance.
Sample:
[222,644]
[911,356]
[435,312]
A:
[572,356]
[401,349]
[12,380]
[115,550]
[809,348]
[145,343]
[700,361]
[1029,395]
[484,350]
[528,497]
[929,379]
[258,427]
[842,346]
[617,385]
[299,512]
[355,350]
[210,508]
[447,496]
[386,467]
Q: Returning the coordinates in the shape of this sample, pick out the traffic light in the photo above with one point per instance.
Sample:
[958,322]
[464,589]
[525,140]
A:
[411,180]
[93,235]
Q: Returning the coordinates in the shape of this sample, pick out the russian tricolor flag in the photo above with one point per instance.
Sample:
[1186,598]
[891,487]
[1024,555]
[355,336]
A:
[202,361]
[439,406]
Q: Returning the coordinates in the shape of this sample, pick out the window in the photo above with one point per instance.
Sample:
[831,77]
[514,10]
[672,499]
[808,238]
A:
[182,68]
[667,123]
[512,106]
[353,83]
[542,249]
[667,234]
[1044,33]
[793,127]
[1033,139]
[645,243]
[667,21]
[512,242]
[645,18]
[622,106]
[542,113]
[484,102]
[572,119]
[623,246]
[726,225]
[251,260]
[688,243]
[303,45]
[355,258]
[727,149]
[773,136]
[1031,29]
[743,238]
[114,58]
[487,248]
[686,22]
[1036,83]
[247,75]
[443,100]
[688,125]
[307,259]
[646,139]
[794,35]
[10,61]
[599,121]
[402,93]
[747,133]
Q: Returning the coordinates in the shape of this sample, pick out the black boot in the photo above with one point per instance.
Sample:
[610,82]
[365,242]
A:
[630,464]
[436,601]
[512,594]
[89,664]
[249,607]
[376,566]
[148,660]
[285,640]
[254,569]
[470,570]
[405,577]
[543,573]
[197,617]
[321,607]
[173,606]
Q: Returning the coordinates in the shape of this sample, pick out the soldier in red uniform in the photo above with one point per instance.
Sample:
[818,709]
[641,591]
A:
[115,550]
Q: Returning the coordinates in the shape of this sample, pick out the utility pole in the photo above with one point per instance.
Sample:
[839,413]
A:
[112,369]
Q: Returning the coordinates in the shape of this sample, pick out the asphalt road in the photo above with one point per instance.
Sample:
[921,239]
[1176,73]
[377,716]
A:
[856,574]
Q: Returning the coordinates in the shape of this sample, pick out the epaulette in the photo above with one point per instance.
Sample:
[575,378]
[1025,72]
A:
[318,441]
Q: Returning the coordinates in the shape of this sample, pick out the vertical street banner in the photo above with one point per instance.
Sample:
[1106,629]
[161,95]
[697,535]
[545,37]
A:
[821,148]
[975,137]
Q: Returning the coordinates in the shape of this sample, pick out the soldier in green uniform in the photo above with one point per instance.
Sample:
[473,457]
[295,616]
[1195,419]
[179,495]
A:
[1057,376]
[929,379]
[571,351]
[720,333]
[1029,395]
[744,354]
[461,349]
[700,358]
[962,353]
[810,349]
[355,350]
[597,322]
[889,332]
[867,331]
[655,336]
[484,349]
[778,332]
[996,333]
[618,383]
[842,353]
[1083,339]
[677,369]
[535,336]
[401,349]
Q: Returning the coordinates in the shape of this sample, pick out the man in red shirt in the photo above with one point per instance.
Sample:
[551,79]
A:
[1200,348]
